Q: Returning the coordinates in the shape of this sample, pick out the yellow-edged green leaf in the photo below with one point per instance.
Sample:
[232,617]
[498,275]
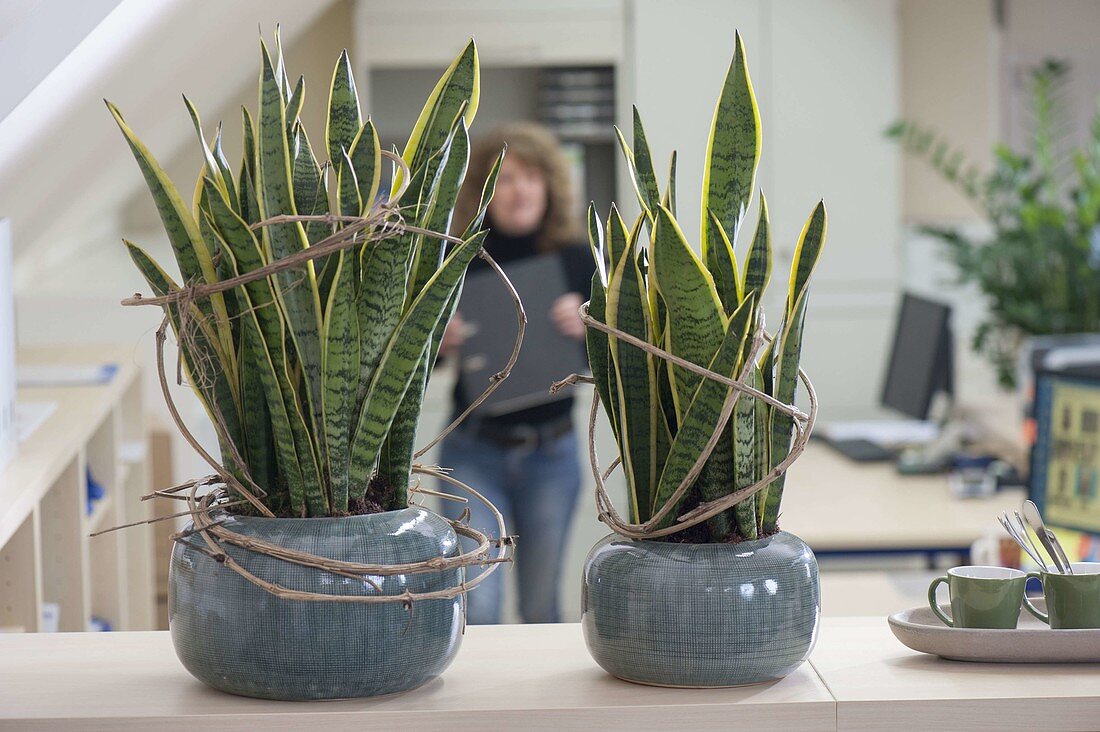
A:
[402,356]
[701,416]
[295,452]
[366,161]
[758,260]
[696,323]
[344,117]
[457,91]
[733,150]
[341,366]
[626,310]
[649,195]
[722,264]
[296,288]
[195,261]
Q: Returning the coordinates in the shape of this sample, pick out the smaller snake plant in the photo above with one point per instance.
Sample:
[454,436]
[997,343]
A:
[651,284]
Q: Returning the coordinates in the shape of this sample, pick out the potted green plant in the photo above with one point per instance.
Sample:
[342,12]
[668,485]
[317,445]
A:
[309,314]
[699,587]
[1039,268]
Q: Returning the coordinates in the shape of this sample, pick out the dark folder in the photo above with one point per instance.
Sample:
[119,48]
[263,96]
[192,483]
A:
[489,314]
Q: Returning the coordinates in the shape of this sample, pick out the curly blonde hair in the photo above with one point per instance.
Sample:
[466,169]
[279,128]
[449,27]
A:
[536,146]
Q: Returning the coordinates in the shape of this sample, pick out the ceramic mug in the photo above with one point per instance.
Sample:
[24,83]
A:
[1073,600]
[981,597]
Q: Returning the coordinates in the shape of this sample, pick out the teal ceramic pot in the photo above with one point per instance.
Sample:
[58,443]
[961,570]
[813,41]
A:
[701,615]
[241,639]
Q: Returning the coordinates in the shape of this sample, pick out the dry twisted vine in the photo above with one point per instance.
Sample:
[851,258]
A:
[803,424]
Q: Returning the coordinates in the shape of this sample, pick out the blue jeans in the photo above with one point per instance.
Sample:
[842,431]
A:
[536,491]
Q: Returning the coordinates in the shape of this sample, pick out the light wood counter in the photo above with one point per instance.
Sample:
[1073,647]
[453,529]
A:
[540,677]
[879,684]
[835,504]
[534,677]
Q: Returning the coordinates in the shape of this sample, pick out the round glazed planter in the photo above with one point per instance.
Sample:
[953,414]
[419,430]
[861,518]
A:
[241,639]
[701,615]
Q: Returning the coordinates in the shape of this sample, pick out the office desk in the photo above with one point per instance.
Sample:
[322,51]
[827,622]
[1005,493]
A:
[840,506]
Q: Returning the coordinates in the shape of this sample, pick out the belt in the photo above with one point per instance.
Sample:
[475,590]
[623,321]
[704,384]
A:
[523,435]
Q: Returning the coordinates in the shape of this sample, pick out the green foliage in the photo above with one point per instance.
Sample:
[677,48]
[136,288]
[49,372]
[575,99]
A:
[1040,270]
[705,310]
[314,376]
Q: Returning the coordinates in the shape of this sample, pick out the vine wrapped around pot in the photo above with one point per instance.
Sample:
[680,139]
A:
[707,312]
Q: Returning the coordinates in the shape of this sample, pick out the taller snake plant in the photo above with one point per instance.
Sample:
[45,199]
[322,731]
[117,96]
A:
[650,284]
[315,375]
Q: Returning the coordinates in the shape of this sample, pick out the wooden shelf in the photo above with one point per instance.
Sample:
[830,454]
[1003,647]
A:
[46,554]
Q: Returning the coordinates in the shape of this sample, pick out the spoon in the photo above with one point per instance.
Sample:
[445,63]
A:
[1021,527]
[1047,537]
[1025,545]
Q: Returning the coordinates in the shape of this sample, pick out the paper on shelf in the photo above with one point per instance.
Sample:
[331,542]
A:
[65,374]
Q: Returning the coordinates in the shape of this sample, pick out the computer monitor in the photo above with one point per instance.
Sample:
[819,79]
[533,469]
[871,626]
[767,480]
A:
[922,359]
[1065,460]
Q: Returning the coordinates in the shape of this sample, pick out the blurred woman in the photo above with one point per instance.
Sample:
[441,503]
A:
[526,462]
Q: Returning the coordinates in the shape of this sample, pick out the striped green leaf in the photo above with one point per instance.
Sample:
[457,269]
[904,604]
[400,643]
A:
[810,243]
[296,288]
[626,310]
[403,355]
[397,452]
[366,161]
[344,117]
[701,415]
[249,206]
[487,191]
[212,168]
[722,264]
[669,200]
[646,184]
[745,433]
[310,191]
[224,168]
[758,261]
[348,188]
[341,367]
[696,324]
[296,455]
[733,150]
[294,103]
[457,92]
[195,261]
[209,384]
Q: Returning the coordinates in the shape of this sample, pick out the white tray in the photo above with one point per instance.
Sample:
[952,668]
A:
[1030,642]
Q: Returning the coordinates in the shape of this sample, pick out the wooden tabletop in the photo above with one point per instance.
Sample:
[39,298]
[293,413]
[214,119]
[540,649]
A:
[534,677]
[835,504]
[879,684]
[540,677]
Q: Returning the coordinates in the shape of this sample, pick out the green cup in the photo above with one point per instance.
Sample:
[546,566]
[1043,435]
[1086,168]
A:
[1073,600]
[981,597]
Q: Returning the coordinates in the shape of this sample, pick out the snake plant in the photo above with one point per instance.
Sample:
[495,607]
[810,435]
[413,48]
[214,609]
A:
[315,375]
[651,284]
